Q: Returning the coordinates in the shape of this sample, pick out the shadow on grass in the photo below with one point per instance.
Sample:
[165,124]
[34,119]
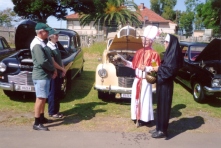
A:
[183,125]
[214,102]
[111,99]
[23,97]
[210,100]
[80,86]
[80,112]
[175,111]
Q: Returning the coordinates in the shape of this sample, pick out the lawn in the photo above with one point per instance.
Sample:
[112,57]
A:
[82,107]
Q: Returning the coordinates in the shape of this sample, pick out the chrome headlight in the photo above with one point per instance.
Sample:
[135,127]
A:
[216,83]
[2,67]
[102,73]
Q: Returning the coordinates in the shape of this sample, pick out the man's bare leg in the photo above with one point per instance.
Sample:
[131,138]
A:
[39,105]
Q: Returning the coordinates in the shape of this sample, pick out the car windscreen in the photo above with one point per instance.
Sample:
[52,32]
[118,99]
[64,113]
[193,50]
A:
[195,51]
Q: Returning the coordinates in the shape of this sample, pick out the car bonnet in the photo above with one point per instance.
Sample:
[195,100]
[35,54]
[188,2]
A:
[126,43]
[211,52]
[24,34]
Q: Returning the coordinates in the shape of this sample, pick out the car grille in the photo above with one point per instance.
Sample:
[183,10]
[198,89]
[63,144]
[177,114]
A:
[125,82]
[23,78]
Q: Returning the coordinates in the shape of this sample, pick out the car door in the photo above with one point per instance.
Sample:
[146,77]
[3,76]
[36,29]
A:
[76,55]
[184,73]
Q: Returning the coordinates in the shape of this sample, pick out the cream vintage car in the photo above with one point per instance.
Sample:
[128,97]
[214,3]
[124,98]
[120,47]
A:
[112,77]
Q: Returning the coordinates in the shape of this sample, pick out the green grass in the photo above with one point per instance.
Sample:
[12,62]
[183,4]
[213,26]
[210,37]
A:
[82,103]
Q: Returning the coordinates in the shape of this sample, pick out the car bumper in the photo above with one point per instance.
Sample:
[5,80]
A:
[212,90]
[115,89]
[16,87]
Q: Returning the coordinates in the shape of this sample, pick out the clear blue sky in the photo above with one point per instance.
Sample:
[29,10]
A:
[52,21]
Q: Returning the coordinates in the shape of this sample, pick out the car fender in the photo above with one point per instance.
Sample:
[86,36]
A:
[110,79]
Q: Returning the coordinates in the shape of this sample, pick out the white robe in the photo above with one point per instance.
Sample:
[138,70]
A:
[146,107]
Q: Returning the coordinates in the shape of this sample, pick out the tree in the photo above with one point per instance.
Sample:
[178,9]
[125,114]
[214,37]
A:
[164,8]
[211,13]
[112,11]
[40,10]
[189,18]
[7,16]
[186,21]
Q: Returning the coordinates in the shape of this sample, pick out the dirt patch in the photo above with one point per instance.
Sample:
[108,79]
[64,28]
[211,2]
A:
[201,123]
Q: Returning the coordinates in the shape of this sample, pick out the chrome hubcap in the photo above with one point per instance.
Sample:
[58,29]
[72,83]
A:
[197,90]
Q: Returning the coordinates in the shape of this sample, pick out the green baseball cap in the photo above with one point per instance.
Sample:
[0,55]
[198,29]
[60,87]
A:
[43,26]
[53,31]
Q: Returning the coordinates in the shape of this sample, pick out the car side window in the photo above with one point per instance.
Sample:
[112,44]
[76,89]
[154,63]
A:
[73,44]
[5,45]
[78,43]
[64,40]
[1,45]
[185,52]
[195,51]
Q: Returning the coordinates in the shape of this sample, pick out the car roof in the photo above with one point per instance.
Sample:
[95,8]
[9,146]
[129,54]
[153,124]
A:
[67,32]
[185,43]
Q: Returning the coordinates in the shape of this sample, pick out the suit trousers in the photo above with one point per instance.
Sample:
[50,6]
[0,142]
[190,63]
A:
[54,96]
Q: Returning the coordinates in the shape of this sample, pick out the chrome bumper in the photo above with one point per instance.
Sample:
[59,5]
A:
[113,89]
[116,89]
[16,87]
[212,90]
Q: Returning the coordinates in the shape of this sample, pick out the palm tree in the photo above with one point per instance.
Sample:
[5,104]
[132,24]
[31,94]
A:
[112,11]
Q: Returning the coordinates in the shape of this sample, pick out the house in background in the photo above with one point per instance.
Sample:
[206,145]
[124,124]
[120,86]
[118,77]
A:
[148,18]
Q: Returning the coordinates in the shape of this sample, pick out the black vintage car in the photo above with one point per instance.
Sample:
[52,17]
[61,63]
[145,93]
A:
[16,69]
[5,49]
[201,71]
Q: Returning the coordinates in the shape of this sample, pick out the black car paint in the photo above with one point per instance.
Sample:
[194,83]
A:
[203,69]
[21,60]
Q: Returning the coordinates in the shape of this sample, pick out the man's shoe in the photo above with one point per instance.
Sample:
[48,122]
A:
[152,131]
[159,134]
[40,127]
[45,120]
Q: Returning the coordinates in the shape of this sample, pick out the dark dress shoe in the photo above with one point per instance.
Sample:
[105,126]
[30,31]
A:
[40,127]
[152,131]
[159,134]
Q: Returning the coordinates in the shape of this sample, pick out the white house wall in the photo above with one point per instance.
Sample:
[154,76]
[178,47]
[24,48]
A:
[75,25]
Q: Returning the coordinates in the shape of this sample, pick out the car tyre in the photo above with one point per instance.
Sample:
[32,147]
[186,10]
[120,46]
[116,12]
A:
[198,93]
[63,87]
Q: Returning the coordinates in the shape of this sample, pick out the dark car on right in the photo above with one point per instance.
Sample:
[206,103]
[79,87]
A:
[201,70]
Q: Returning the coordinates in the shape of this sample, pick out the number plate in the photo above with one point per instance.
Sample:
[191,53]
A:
[24,87]
[126,95]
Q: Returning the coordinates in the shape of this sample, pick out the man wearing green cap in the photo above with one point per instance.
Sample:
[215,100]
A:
[55,85]
[43,71]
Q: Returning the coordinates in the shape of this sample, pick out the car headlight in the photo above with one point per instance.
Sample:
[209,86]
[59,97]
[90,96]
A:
[102,73]
[216,83]
[2,67]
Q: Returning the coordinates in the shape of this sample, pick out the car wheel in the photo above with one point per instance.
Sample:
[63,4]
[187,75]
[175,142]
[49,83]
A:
[198,93]
[68,78]
[64,87]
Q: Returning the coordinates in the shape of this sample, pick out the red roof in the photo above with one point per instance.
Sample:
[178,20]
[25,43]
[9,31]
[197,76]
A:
[72,16]
[145,12]
[152,16]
